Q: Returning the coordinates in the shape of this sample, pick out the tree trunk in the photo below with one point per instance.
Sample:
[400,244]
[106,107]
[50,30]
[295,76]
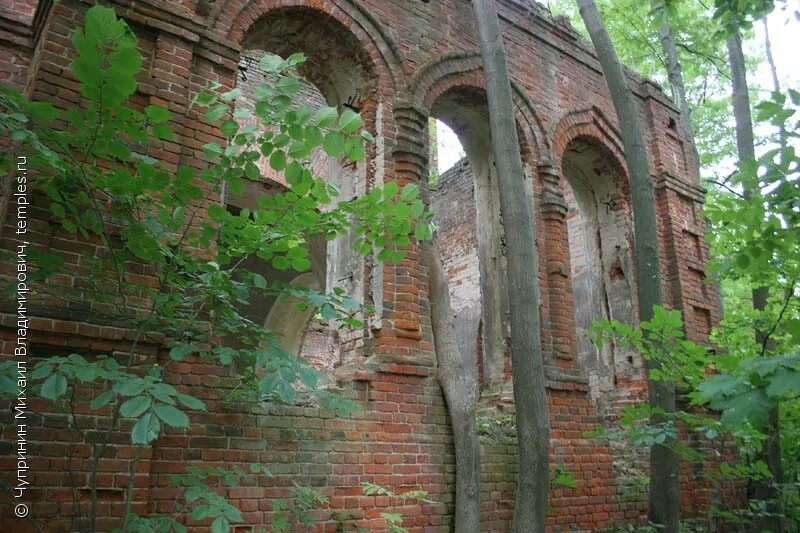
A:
[766,490]
[663,500]
[776,84]
[458,376]
[675,76]
[530,398]
[674,68]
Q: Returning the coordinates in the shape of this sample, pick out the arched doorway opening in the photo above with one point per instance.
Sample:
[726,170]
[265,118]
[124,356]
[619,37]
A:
[470,231]
[336,72]
[601,263]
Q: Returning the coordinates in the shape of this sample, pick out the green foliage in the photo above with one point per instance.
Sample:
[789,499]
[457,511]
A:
[754,244]
[748,393]
[151,216]
[661,339]
[394,521]
[298,511]
[737,14]
[634,28]
[563,478]
[497,427]
[684,526]
[200,500]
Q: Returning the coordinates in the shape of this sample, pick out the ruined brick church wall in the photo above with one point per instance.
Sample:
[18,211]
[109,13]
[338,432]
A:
[401,437]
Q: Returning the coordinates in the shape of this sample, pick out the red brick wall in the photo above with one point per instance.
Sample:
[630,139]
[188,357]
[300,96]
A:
[408,53]
[453,202]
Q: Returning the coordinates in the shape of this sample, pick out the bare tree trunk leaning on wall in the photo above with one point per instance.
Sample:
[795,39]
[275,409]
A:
[767,489]
[458,375]
[663,497]
[530,398]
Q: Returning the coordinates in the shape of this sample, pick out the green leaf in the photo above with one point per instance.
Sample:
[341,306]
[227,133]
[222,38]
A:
[135,406]
[325,116]
[309,377]
[157,114]
[172,416]
[191,402]
[220,525]
[299,150]
[101,400]
[350,121]
[354,149]
[41,371]
[85,372]
[288,85]
[162,131]
[296,59]
[54,387]
[205,98]
[270,63]
[785,383]
[410,192]
[231,95]
[742,261]
[720,387]
[216,112]
[792,326]
[327,311]
[390,190]
[163,392]
[333,144]
[212,150]
[294,171]
[392,518]
[752,406]
[252,172]
[259,281]
[313,137]
[229,128]
[130,387]
[277,160]
[146,429]
[565,480]
[180,351]
[301,264]
[423,231]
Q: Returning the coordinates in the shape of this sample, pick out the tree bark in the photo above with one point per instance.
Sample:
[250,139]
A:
[766,490]
[674,68]
[530,398]
[663,499]
[776,84]
[675,76]
[458,376]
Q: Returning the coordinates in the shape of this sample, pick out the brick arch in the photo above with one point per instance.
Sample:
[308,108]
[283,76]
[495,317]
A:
[465,69]
[597,243]
[590,124]
[231,20]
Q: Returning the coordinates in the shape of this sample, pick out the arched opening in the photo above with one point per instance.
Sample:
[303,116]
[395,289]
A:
[470,231]
[600,256]
[336,72]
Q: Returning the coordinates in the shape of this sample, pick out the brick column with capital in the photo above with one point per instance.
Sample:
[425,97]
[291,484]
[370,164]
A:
[559,321]
[405,334]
